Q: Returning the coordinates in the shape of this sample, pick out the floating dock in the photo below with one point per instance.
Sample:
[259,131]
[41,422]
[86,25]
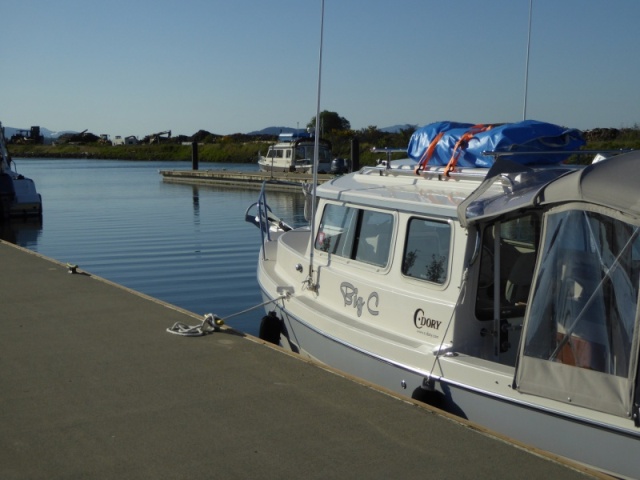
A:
[93,386]
[277,181]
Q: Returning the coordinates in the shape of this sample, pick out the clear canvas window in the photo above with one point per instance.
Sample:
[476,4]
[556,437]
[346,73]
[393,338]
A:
[584,308]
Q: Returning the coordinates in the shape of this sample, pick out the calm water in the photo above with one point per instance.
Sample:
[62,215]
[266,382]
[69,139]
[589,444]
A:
[187,245]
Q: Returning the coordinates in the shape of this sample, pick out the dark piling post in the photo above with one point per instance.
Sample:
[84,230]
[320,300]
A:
[194,155]
[355,154]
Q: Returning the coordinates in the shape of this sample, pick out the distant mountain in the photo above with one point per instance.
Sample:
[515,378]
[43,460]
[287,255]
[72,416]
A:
[273,131]
[279,130]
[396,128]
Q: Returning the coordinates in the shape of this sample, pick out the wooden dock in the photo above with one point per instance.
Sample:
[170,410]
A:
[277,181]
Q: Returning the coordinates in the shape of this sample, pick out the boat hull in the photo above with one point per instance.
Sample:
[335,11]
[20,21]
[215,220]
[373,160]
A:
[594,445]
[471,293]
[25,201]
[18,195]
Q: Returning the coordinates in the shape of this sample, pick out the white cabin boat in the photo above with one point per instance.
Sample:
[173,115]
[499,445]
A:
[294,152]
[508,296]
[18,195]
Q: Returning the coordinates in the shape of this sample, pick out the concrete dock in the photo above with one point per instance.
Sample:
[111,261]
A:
[93,386]
[276,181]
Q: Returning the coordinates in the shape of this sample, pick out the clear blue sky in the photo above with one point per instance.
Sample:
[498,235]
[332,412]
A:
[136,67]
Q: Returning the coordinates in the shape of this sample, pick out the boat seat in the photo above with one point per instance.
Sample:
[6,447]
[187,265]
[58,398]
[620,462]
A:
[513,301]
[520,279]
[374,250]
[581,312]
[374,242]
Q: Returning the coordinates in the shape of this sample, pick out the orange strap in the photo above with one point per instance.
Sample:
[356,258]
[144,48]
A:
[424,160]
[462,144]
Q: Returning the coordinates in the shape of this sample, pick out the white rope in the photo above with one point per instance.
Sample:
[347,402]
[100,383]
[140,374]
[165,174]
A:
[211,322]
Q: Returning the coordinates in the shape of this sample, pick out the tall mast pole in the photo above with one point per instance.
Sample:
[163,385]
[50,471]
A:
[526,68]
[311,282]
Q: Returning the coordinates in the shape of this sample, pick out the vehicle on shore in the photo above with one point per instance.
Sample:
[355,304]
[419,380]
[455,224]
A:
[18,195]
[294,152]
[506,294]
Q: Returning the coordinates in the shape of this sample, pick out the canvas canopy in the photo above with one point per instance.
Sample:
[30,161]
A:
[510,186]
[442,141]
[581,327]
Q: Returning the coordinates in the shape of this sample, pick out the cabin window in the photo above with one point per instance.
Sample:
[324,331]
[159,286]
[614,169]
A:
[358,234]
[584,310]
[275,153]
[426,251]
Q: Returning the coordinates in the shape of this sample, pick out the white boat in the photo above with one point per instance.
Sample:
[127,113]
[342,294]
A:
[294,152]
[18,195]
[507,295]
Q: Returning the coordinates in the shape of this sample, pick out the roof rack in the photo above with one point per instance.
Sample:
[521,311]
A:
[429,172]
[496,154]
[438,172]
[388,151]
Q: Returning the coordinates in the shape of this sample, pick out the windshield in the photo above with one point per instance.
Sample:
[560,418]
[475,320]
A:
[305,152]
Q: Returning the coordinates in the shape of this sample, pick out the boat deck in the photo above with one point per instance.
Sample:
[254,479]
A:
[94,387]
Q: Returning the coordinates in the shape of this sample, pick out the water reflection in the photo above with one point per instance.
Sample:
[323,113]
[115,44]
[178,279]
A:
[195,194]
[185,244]
[23,232]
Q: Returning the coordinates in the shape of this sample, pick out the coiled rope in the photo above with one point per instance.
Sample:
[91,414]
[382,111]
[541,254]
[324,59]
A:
[212,323]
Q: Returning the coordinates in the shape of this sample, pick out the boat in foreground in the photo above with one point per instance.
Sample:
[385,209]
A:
[18,195]
[507,295]
[294,152]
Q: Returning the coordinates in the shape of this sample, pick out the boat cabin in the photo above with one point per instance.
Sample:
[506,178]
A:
[295,152]
[536,269]
[506,294]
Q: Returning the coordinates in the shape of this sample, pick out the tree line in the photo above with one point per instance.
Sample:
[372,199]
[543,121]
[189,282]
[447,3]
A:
[244,148]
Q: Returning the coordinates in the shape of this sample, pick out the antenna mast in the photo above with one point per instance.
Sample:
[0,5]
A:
[526,68]
[311,283]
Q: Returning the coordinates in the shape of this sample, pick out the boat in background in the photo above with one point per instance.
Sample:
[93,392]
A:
[294,152]
[505,294]
[18,195]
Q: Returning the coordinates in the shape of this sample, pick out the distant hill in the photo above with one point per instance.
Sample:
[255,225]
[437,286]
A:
[273,131]
[397,128]
[279,130]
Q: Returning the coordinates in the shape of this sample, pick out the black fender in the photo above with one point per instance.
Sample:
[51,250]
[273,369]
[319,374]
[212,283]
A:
[270,328]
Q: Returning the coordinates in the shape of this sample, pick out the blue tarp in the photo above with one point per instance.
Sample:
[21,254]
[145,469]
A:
[525,136]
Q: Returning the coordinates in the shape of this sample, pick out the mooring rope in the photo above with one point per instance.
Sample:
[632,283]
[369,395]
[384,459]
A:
[211,322]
